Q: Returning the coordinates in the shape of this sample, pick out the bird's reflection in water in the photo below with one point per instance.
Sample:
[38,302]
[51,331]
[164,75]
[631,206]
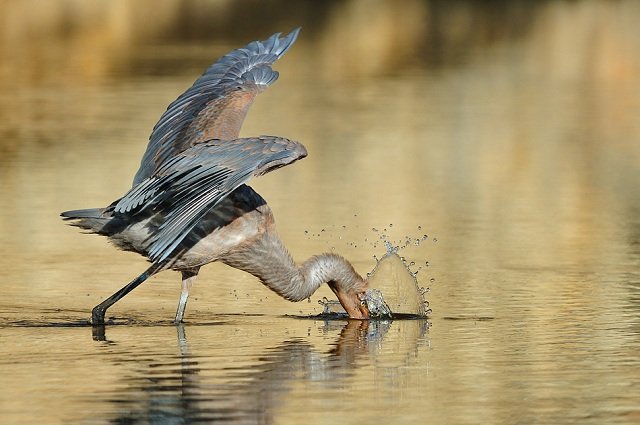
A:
[181,389]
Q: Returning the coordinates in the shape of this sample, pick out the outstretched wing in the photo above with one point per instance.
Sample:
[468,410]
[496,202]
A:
[215,105]
[192,182]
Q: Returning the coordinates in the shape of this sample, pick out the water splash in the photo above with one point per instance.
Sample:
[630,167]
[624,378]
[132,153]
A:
[393,275]
[376,304]
[403,296]
[402,292]
[372,298]
[330,307]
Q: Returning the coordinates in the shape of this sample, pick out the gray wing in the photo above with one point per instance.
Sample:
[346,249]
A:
[192,182]
[215,105]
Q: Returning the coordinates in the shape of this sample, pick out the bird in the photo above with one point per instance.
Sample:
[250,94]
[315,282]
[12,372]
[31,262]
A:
[190,205]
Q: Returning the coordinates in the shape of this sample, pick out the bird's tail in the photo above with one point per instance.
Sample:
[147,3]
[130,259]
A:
[92,219]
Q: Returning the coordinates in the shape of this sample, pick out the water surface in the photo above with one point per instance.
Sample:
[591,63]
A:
[504,134]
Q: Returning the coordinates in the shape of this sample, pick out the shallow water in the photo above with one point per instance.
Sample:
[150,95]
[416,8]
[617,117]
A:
[506,136]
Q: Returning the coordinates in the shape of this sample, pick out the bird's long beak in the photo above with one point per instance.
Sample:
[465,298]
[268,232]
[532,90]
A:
[352,303]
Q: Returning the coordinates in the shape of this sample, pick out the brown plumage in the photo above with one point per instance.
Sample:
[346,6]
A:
[189,204]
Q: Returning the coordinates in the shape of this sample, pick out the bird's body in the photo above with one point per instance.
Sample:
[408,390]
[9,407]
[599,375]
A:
[189,204]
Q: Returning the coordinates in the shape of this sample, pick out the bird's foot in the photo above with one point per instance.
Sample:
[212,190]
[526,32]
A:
[97,316]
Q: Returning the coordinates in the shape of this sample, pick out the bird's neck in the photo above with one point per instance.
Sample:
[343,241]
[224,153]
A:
[268,260]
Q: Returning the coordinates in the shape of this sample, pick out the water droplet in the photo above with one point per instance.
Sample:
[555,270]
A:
[309,300]
[413,263]
[306,232]
[390,248]
[427,264]
[435,239]
[433,279]
[374,229]
[424,237]
[390,224]
[419,227]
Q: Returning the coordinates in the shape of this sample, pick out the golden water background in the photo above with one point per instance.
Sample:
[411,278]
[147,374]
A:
[506,131]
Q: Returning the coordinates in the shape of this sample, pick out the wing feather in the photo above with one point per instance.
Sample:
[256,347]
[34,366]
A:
[187,186]
[217,102]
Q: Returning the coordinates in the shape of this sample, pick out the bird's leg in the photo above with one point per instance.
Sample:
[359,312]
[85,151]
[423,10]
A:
[188,277]
[97,314]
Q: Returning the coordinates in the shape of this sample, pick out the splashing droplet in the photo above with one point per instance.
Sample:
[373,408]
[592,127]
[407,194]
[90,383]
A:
[390,248]
[330,306]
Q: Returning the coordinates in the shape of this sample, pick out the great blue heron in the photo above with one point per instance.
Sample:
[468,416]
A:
[189,204]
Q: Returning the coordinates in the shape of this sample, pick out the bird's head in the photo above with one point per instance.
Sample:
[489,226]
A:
[353,300]
[362,302]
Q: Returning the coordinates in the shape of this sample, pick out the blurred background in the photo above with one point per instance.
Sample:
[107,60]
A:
[507,128]
[505,131]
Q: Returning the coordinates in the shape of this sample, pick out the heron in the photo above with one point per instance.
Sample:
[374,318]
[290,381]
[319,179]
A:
[190,204]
